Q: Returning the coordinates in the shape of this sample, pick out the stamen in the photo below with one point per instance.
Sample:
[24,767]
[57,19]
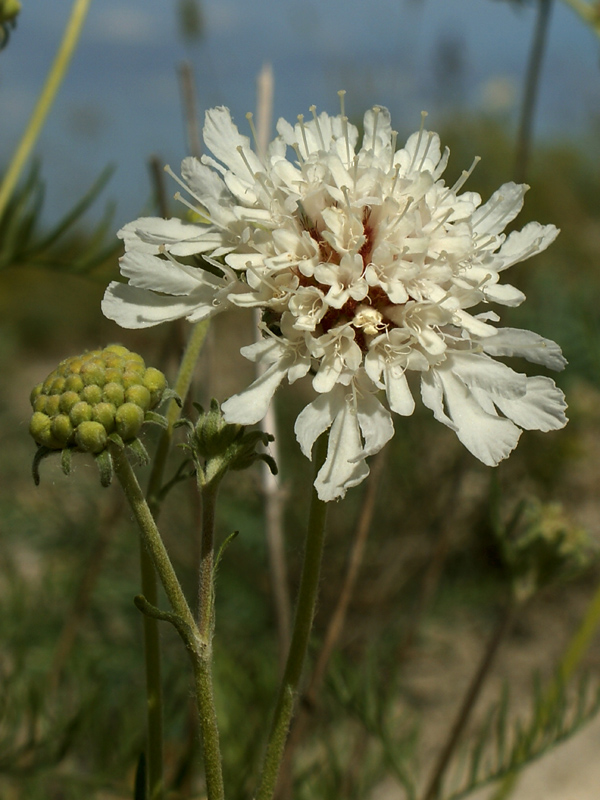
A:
[313,110]
[423,115]
[465,175]
[183,185]
[427,146]
[250,118]
[394,138]
[240,150]
[442,221]
[347,140]
[400,217]
[341,95]
[303,129]
[376,111]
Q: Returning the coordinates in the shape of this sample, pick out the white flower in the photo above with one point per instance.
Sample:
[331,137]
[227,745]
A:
[370,270]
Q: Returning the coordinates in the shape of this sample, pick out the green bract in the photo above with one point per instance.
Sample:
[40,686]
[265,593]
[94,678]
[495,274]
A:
[91,399]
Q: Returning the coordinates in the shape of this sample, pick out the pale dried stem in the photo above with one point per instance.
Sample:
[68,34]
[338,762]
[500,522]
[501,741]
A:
[274,494]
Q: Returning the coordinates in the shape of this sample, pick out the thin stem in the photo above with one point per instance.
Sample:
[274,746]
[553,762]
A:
[206,577]
[45,100]
[470,699]
[305,610]
[198,647]
[532,81]
[336,622]
[148,575]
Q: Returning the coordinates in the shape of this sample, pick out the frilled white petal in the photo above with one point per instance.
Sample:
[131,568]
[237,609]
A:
[483,372]
[502,207]
[344,466]
[503,293]
[132,307]
[397,390]
[542,408]
[375,422]
[488,437]
[163,275]
[526,344]
[223,139]
[152,234]
[532,239]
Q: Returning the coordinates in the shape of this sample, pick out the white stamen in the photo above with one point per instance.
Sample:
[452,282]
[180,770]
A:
[313,110]
[412,163]
[376,111]
[244,158]
[303,130]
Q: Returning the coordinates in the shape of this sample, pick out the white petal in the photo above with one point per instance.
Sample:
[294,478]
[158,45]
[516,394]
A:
[161,275]
[344,466]
[526,344]
[251,405]
[488,437]
[132,307]
[397,391]
[316,417]
[150,234]
[485,373]
[503,293]
[541,409]
[532,239]
[432,395]
[375,423]
[222,138]
[502,207]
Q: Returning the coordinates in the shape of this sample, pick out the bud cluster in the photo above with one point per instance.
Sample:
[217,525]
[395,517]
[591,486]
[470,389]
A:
[88,397]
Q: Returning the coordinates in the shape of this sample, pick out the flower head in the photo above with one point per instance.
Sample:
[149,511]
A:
[368,269]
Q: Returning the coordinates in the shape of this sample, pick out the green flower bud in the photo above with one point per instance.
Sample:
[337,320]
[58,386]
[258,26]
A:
[47,385]
[92,394]
[117,349]
[80,412]
[91,437]
[156,383]
[52,404]
[40,427]
[113,393]
[68,400]
[39,404]
[73,383]
[92,374]
[35,393]
[104,413]
[139,395]
[129,378]
[58,385]
[62,429]
[129,419]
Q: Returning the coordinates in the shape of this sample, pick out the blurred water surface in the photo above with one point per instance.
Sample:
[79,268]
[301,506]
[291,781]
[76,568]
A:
[121,99]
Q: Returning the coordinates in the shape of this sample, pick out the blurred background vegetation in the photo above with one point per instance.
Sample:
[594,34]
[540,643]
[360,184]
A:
[432,582]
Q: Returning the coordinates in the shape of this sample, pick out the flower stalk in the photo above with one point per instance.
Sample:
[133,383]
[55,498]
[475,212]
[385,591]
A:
[305,610]
[198,647]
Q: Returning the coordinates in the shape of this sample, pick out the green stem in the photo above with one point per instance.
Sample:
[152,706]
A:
[45,100]
[199,648]
[305,609]
[148,575]
[203,665]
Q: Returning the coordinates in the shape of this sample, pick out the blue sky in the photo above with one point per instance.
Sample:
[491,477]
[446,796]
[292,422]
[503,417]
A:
[121,99]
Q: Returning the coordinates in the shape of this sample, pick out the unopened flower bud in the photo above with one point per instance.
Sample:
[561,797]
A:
[89,397]
[128,420]
[91,437]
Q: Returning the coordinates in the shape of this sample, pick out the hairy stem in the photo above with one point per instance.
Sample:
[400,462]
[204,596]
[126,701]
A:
[305,609]
[148,575]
